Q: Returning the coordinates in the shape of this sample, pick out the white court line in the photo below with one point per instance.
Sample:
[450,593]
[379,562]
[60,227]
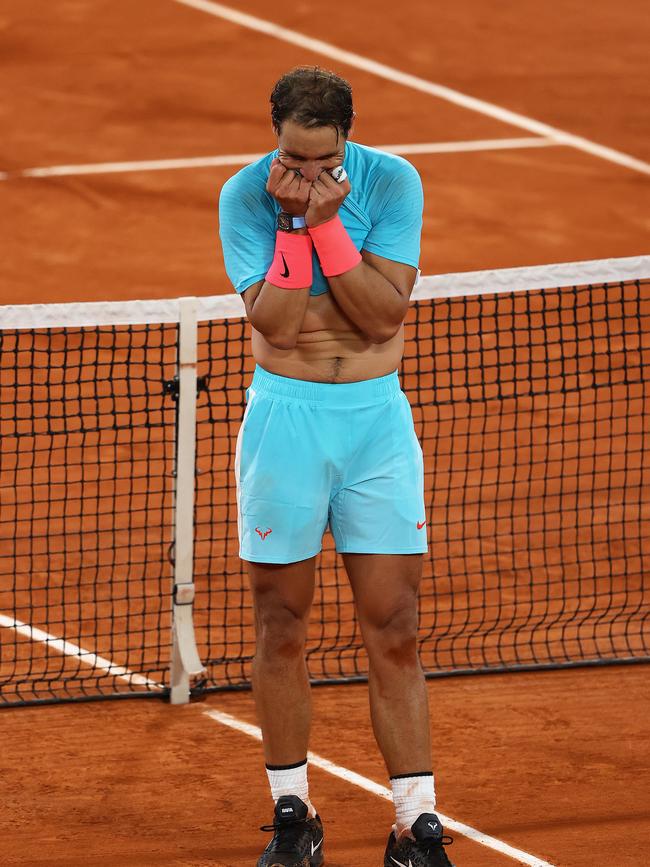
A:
[452,147]
[102,664]
[357,61]
[382,792]
[243,159]
[69,649]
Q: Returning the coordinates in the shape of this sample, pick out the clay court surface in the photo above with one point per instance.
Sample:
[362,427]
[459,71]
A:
[553,763]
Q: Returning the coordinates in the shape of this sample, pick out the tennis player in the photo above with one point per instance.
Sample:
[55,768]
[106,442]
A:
[322,237]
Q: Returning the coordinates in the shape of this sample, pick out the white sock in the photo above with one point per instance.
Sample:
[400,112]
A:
[413,794]
[290,780]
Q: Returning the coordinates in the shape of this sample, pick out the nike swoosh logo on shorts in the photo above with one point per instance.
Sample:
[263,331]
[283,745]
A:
[285,273]
[401,863]
[420,525]
[313,848]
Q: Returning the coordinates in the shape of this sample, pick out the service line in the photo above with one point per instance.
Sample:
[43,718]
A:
[441,147]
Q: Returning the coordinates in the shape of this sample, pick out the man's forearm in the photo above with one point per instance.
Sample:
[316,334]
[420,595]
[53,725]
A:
[278,314]
[370,300]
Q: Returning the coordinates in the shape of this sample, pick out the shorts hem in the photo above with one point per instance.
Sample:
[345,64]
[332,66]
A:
[279,561]
[373,550]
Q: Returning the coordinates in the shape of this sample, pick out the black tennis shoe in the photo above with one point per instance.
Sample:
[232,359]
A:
[297,841]
[426,850]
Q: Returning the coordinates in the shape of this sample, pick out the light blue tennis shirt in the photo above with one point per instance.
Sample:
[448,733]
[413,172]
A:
[382,213]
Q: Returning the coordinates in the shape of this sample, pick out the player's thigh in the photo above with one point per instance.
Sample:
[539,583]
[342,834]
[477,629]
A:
[282,593]
[385,588]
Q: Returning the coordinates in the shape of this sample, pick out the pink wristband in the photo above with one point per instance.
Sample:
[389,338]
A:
[291,267]
[334,247]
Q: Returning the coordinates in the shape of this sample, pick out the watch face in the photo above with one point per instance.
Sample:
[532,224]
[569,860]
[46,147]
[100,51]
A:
[285,222]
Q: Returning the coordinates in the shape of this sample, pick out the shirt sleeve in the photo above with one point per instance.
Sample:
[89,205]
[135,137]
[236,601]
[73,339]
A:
[247,231]
[396,214]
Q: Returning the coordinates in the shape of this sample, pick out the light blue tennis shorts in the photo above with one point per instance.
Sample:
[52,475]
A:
[311,454]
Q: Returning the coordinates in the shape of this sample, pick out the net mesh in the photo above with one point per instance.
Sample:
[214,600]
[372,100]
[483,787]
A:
[86,454]
[533,410]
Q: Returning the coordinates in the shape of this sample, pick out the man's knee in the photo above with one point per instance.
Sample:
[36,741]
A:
[282,597]
[280,632]
[393,637]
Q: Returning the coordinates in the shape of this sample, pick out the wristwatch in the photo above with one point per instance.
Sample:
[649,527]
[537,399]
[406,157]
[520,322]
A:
[287,222]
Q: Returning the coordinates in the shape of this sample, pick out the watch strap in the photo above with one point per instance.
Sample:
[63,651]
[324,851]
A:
[288,222]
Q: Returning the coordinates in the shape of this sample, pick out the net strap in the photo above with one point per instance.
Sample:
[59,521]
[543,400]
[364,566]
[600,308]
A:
[185,661]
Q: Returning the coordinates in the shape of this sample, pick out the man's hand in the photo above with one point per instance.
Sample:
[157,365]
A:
[325,198]
[289,189]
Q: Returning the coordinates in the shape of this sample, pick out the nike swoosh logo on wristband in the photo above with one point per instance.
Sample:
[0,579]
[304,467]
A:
[285,273]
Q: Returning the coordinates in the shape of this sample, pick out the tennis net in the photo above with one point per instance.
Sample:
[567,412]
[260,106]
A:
[530,391]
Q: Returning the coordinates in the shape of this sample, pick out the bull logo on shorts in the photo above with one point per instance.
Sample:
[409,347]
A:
[263,533]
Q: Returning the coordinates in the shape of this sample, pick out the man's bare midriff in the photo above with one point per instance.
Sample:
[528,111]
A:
[330,348]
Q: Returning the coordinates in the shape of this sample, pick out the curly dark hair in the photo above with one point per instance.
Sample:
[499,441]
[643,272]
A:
[312,97]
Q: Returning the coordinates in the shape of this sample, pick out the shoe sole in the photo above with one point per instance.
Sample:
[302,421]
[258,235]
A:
[389,864]
[317,861]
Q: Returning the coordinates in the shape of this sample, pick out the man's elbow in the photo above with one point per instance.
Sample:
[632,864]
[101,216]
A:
[278,339]
[383,333]
[282,341]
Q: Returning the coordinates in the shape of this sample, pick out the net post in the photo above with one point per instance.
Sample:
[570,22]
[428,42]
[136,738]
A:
[185,661]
